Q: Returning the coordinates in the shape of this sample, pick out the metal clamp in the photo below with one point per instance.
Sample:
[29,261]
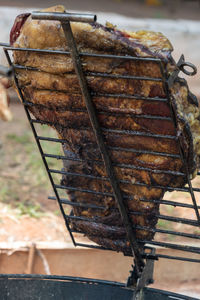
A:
[184,64]
[146,277]
[181,67]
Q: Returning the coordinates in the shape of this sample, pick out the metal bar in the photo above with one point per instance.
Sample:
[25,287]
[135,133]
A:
[120,180]
[167,84]
[178,258]
[96,74]
[135,97]
[166,188]
[184,248]
[163,202]
[127,96]
[175,219]
[49,139]
[78,204]
[170,232]
[130,132]
[97,161]
[100,112]
[167,202]
[182,152]
[191,189]
[137,213]
[145,152]
[40,149]
[63,17]
[82,190]
[138,227]
[78,175]
[125,149]
[145,255]
[100,140]
[112,56]
[138,133]
[114,76]
[125,132]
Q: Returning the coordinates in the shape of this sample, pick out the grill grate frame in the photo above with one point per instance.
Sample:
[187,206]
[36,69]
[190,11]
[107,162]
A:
[138,257]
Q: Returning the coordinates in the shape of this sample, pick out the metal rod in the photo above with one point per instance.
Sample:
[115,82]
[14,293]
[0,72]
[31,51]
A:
[145,255]
[163,202]
[138,133]
[65,187]
[88,54]
[40,149]
[108,165]
[96,161]
[96,74]
[117,131]
[184,248]
[167,85]
[78,204]
[191,189]
[127,96]
[145,152]
[63,17]
[172,203]
[178,258]
[138,213]
[99,112]
[121,180]
[137,227]
[165,188]
[114,76]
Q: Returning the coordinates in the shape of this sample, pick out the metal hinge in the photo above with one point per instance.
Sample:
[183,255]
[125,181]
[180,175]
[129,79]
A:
[181,67]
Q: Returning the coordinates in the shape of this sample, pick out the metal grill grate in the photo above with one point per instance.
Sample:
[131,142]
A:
[167,224]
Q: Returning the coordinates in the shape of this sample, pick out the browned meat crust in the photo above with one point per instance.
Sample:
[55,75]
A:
[53,87]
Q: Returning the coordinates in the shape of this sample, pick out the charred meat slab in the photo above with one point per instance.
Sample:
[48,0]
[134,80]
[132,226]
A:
[49,81]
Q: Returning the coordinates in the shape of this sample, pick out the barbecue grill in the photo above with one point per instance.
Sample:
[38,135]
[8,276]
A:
[141,274]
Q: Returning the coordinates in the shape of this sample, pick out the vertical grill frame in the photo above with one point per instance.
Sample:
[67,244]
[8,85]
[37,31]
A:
[139,257]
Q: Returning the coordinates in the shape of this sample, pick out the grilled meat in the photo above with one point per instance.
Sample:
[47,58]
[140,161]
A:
[49,81]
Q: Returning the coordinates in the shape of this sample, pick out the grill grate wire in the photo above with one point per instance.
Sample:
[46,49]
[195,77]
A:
[100,132]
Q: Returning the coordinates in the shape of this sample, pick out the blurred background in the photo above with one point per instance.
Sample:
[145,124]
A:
[31,222]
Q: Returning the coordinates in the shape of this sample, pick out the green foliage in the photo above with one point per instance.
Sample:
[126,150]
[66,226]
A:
[30,209]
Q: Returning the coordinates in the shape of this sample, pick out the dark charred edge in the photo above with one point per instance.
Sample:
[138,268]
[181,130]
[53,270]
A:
[17,27]
[109,231]
[123,37]
[99,230]
[192,99]
[185,136]
[116,245]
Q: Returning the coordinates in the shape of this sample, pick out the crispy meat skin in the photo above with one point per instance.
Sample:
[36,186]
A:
[54,88]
